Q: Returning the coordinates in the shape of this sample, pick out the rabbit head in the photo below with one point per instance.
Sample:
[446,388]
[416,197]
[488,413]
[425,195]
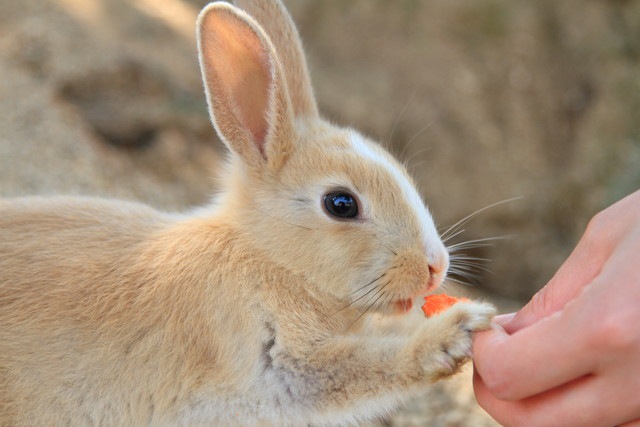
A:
[320,200]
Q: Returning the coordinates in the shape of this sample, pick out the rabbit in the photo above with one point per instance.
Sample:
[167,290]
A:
[257,309]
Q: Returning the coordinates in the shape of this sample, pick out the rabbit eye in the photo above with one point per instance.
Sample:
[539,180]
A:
[341,204]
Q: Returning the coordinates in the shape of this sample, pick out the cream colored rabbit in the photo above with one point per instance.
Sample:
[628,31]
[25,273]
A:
[245,311]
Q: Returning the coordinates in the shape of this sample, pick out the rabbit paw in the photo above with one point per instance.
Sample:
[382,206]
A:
[444,343]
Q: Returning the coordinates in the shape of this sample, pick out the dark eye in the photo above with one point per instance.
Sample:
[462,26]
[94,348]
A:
[341,204]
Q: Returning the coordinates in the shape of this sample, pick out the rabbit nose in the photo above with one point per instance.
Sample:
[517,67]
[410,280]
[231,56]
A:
[438,265]
[437,270]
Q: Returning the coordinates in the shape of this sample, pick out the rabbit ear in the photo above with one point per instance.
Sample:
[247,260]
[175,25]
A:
[276,21]
[244,83]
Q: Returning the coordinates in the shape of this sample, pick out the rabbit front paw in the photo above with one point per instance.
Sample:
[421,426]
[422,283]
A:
[444,342]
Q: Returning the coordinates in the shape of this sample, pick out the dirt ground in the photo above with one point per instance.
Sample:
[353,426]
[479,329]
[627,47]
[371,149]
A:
[484,100]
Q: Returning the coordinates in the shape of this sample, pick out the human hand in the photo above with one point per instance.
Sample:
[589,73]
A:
[571,356]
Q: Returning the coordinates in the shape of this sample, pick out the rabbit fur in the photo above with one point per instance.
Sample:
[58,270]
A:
[249,311]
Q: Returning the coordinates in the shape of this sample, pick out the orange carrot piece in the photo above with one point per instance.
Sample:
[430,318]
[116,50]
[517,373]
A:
[438,303]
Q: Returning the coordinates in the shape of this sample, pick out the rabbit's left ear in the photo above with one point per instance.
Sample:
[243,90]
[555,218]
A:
[245,86]
[273,17]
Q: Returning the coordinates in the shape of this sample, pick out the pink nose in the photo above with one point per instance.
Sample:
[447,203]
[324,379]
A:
[433,270]
[437,270]
[438,266]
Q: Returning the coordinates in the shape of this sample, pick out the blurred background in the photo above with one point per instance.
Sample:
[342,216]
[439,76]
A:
[485,100]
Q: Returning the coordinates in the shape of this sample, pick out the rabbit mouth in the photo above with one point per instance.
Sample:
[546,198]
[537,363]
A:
[402,306]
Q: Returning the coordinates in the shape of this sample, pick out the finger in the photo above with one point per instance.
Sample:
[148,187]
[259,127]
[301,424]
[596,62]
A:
[582,266]
[579,403]
[503,319]
[537,411]
[535,359]
[600,238]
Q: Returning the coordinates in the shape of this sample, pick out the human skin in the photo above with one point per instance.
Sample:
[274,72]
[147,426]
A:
[571,356]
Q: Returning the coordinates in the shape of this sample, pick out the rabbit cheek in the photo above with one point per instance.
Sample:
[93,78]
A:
[411,278]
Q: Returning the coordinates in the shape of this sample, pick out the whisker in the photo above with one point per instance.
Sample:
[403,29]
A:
[468,260]
[417,134]
[472,268]
[387,299]
[412,168]
[414,155]
[469,246]
[351,303]
[372,282]
[380,290]
[399,116]
[473,261]
[364,288]
[451,279]
[475,243]
[465,257]
[464,272]
[470,265]
[380,294]
[383,294]
[460,223]
[454,234]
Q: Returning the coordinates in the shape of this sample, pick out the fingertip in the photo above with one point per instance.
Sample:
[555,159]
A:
[515,321]
[485,343]
[504,319]
[514,324]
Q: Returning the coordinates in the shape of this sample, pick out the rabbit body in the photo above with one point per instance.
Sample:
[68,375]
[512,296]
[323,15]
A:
[149,319]
[146,319]
[250,310]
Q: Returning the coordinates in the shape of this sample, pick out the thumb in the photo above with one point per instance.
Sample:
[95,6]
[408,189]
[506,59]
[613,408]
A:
[604,232]
[582,266]
[545,302]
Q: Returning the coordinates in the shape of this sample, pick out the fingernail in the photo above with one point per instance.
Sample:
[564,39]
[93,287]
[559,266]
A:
[503,319]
